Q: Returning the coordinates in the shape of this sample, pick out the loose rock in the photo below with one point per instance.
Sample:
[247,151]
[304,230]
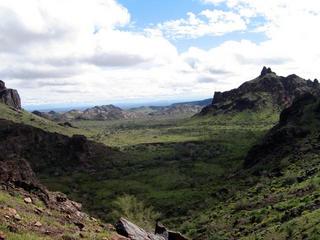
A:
[28,200]
[17,217]
[38,224]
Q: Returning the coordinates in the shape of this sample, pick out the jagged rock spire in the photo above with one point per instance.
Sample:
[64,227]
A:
[266,71]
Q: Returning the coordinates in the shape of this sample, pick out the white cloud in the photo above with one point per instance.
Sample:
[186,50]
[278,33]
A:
[55,51]
[207,22]
[61,51]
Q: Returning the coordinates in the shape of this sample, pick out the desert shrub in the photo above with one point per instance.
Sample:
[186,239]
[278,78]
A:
[136,211]
[274,235]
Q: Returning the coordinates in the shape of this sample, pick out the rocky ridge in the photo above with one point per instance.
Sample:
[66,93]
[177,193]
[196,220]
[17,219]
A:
[47,151]
[266,91]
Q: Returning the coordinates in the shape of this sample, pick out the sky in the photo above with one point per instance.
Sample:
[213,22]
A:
[69,52]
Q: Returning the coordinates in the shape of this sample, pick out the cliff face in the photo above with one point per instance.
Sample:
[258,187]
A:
[267,90]
[9,96]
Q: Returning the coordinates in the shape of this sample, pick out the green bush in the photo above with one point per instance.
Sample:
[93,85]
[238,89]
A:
[131,208]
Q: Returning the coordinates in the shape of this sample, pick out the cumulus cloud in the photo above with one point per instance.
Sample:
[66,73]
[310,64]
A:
[58,51]
[50,47]
[207,22]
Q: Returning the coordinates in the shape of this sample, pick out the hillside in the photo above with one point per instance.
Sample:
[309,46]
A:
[267,91]
[298,130]
[22,116]
[29,211]
[226,176]
[278,188]
[29,153]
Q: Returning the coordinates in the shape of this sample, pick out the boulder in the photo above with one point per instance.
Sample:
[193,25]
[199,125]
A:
[167,234]
[28,200]
[133,232]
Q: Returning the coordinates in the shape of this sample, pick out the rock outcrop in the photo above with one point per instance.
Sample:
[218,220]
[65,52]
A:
[133,232]
[9,96]
[266,91]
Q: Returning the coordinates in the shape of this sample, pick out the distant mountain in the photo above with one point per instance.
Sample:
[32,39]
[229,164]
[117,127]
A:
[266,91]
[204,102]
[111,112]
[99,113]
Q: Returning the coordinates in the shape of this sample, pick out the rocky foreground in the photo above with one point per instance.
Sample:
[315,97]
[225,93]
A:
[28,209]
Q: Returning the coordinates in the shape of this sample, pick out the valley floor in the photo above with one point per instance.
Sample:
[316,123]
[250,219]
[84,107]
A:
[180,167]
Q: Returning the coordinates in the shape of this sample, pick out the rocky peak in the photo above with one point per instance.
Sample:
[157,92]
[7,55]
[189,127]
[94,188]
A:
[268,90]
[266,71]
[9,97]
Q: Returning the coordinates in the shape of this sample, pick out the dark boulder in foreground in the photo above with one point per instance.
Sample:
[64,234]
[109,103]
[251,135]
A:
[9,97]
[133,232]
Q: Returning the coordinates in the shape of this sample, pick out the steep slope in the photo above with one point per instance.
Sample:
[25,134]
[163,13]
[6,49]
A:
[50,152]
[29,211]
[22,116]
[10,109]
[277,195]
[297,132]
[268,91]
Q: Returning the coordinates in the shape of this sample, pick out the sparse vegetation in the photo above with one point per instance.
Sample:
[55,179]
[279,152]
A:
[131,208]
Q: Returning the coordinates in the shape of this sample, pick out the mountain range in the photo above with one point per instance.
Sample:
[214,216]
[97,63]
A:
[111,112]
[229,172]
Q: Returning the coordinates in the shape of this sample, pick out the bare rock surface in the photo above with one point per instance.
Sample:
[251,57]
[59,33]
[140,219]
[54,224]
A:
[9,97]
[133,232]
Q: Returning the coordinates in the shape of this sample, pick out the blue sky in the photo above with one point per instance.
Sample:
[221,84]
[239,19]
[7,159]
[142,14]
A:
[146,13]
[71,52]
